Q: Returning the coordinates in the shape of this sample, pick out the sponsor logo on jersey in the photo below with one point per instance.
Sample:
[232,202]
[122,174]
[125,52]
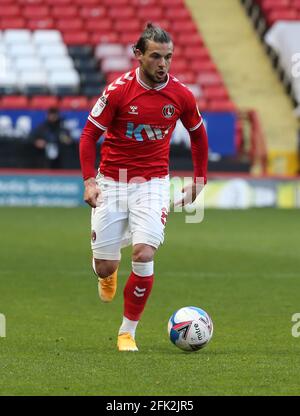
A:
[99,106]
[168,111]
[133,110]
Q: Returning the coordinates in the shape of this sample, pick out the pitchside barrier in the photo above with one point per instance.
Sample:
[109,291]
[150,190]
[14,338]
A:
[49,188]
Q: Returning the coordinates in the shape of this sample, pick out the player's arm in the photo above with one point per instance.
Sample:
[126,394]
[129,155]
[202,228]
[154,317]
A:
[193,122]
[98,121]
[87,152]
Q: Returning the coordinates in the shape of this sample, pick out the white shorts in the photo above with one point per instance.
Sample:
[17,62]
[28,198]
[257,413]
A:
[129,213]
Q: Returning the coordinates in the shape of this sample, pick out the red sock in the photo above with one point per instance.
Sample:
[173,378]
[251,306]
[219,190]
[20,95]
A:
[136,293]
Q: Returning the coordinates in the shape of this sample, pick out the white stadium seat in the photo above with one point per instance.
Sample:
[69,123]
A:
[55,63]
[115,64]
[21,49]
[8,79]
[109,49]
[46,37]
[13,36]
[196,90]
[47,51]
[37,78]
[69,78]
[28,64]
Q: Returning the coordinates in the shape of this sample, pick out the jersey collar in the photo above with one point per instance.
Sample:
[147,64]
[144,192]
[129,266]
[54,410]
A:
[159,87]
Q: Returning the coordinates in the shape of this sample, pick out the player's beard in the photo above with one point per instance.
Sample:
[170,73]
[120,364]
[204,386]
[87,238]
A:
[153,78]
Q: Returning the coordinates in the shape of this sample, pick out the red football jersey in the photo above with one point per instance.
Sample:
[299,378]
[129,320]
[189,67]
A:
[139,121]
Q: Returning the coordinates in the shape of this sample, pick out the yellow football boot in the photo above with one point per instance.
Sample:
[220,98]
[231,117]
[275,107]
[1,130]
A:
[126,342]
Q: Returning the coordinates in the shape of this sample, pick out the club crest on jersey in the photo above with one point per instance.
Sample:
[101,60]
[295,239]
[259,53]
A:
[99,106]
[133,110]
[168,111]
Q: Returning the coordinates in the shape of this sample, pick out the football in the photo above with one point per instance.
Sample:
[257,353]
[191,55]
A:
[190,328]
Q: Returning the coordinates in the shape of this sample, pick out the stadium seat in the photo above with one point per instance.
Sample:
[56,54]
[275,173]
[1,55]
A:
[12,23]
[32,78]
[59,63]
[63,78]
[121,13]
[36,11]
[14,102]
[106,50]
[115,64]
[74,103]
[16,36]
[93,23]
[40,23]
[22,50]
[10,10]
[150,13]
[93,12]
[68,25]
[32,63]
[100,37]
[43,102]
[64,11]
[52,50]
[46,37]
[129,38]
[76,38]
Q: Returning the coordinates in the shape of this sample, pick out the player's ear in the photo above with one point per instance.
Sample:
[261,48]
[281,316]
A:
[138,53]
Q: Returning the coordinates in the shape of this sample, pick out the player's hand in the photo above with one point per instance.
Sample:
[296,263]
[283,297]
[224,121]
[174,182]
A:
[92,192]
[190,191]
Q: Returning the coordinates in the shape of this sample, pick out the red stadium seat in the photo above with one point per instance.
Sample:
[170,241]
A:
[126,26]
[282,14]
[194,52]
[43,102]
[87,2]
[150,13]
[121,13]
[58,2]
[64,11]
[209,78]
[94,23]
[129,38]
[191,39]
[175,3]
[186,77]
[67,25]
[215,92]
[14,102]
[184,26]
[34,12]
[42,23]
[10,10]
[179,65]
[74,103]
[145,3]
[93,12]
[99,37]
[177,14]
[12,23]
[221,105]
[116,3]
[76,38]
[268,5]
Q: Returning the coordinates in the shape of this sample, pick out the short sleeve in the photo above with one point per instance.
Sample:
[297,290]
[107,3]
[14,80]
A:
[191,117]
[104,110]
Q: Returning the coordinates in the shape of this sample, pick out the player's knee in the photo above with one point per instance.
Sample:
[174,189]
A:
[143,253]
[105,268]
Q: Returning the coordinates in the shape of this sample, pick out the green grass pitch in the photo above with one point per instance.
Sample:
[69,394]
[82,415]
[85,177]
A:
[241,266]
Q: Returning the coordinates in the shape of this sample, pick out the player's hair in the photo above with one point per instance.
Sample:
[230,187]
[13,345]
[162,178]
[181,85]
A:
[151,32]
